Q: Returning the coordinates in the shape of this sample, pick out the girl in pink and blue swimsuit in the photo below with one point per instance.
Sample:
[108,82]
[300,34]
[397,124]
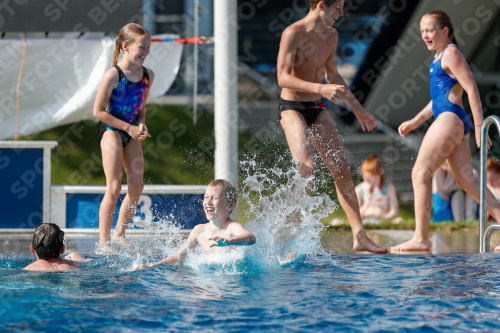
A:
[120,106]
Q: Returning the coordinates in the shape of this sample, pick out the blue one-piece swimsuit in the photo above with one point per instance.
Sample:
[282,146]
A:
[126,102]
[441,84]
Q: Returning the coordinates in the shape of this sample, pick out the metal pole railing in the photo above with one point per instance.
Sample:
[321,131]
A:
[483,183]
[487,236]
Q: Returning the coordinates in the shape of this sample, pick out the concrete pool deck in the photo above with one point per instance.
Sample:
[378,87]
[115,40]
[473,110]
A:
[334,241]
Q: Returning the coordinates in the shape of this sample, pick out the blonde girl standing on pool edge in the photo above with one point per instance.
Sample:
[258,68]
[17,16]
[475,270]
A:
[447,139]
[120,105]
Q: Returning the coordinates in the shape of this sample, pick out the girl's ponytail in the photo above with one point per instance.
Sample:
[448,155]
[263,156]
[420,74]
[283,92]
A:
[116,54]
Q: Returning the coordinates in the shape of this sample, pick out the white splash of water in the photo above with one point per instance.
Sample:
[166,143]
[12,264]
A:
[163,238]
[284,218]
[233,261]
[282,215]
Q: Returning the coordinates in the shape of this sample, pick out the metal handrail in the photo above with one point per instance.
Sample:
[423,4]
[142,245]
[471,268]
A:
[485,234]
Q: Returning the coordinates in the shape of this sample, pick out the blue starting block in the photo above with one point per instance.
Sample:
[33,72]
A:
[24,183]
[78,206]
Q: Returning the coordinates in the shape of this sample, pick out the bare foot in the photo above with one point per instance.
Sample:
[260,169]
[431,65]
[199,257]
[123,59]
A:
[412,246]
[363,243]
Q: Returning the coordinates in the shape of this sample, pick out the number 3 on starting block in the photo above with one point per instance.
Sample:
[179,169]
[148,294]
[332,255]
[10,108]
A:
[143,209]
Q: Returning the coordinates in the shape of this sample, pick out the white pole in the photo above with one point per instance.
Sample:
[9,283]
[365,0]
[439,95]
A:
[196,23]
[149,16]
[225,90]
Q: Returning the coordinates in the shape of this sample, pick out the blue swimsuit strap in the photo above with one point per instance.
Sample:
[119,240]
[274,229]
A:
[121,75]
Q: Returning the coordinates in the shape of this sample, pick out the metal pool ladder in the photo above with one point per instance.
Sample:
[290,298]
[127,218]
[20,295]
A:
[484,235]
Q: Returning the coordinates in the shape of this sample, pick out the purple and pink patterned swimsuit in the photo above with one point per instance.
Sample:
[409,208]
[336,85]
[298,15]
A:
[126,101]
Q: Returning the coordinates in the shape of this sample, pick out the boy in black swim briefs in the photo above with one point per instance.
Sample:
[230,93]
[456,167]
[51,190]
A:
[306,57]
[309,110]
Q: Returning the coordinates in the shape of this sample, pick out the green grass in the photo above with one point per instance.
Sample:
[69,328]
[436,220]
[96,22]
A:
[178,153]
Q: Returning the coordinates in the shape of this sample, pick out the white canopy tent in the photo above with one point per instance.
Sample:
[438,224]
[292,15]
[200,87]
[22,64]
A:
[48,82]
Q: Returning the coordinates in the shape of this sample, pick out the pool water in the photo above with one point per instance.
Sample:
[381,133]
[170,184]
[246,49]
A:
[327,288]
[344,293]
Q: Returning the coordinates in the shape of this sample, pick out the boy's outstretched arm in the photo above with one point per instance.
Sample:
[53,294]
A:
[242,237]
[178,258]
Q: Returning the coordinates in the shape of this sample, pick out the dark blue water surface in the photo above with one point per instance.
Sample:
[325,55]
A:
[342,293]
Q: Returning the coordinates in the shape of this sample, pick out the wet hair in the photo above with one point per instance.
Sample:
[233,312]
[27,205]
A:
[314,3]
[443,21]
[227,187]
[373,166]
[128,34]
[492,165]
[47,241]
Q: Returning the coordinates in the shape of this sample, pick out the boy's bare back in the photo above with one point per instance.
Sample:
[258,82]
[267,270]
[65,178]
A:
[52,265]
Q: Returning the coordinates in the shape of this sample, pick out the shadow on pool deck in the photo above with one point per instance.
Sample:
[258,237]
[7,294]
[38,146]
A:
[334,241]
[442,241]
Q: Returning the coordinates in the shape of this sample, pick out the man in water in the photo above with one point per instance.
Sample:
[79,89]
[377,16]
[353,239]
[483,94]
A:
[220,231]
[306,57]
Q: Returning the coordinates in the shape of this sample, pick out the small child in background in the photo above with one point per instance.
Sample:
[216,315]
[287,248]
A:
[48,245]
[493,176]
[376,195]
[443,183]
[220,231]
[449,201]
[463,205]
[493,180]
